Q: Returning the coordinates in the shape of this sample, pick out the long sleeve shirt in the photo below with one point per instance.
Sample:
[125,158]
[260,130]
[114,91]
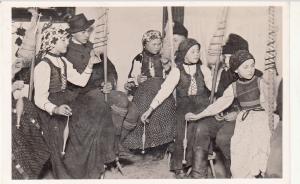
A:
[42,80]
[172,80]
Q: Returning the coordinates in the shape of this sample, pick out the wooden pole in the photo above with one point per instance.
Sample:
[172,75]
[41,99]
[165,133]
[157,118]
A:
[170,24]
[105,50]
[31,85]
[215,49]
[270,65]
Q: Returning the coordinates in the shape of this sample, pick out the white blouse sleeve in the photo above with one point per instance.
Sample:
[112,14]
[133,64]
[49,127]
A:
[263,86]
[76,78]
[136,69]
[41,86]
[167,87]
[220,104]
[208,77]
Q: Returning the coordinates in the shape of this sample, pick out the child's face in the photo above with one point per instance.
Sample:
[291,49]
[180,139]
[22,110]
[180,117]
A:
[193,55]
[177,39]
[154,46]
[247,69]
[61,45]
[83,36]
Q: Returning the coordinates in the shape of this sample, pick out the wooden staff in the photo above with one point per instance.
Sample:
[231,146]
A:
[215,50]
[31,85]
[185,143]
[270,65]
[170,24]
[105,50]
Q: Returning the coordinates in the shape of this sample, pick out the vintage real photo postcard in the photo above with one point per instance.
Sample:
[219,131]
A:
[149,90]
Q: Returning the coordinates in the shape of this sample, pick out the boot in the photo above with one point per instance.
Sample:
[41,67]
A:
[179,174]
[227,163]
[199,165]
[159,152]
[123,152]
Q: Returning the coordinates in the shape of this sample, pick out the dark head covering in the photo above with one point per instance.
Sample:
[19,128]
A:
[234,43]
[184,47]
[239,58]
[179,29]
[79,23]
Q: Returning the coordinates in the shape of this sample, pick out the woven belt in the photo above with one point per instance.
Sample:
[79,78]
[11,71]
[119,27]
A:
[246,113]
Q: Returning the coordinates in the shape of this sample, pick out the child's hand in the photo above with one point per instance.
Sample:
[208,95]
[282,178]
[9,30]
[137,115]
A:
[106,87]
[145,116]
[129,85]
[141,78]
[191,117]
[230,116]
[64,110]
[17,66]
[219,117]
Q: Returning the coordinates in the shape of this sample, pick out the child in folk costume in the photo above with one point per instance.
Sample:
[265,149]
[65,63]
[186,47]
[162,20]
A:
[145,77]
[91,132]
[123,112]
[250,144]
[192,80]
[227,76]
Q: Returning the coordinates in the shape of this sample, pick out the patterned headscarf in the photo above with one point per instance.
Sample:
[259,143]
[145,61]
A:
[151,35]
[51,36]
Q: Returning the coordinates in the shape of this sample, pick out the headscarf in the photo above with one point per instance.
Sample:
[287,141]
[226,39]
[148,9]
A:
[151,35]
[184,47]
[238,58]
[50,36]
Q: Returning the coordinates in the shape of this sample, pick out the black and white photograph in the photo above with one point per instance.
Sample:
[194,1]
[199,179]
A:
[150,91]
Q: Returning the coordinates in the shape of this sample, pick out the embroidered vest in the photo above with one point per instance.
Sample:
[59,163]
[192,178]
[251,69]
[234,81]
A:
[185,82]
[151,63]
[247,93]
[58,82]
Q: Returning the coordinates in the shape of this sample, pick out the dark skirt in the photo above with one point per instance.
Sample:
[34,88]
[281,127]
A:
[91,136]
[161,127]
[29,151]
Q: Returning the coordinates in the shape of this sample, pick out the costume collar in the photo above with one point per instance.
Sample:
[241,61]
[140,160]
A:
[54,55]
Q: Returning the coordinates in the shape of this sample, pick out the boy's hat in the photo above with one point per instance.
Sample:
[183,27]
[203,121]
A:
[179,29]
[234,43]
[79,23]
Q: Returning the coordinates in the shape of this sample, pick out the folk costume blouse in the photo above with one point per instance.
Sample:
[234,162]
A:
[172,81]
[42,79]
